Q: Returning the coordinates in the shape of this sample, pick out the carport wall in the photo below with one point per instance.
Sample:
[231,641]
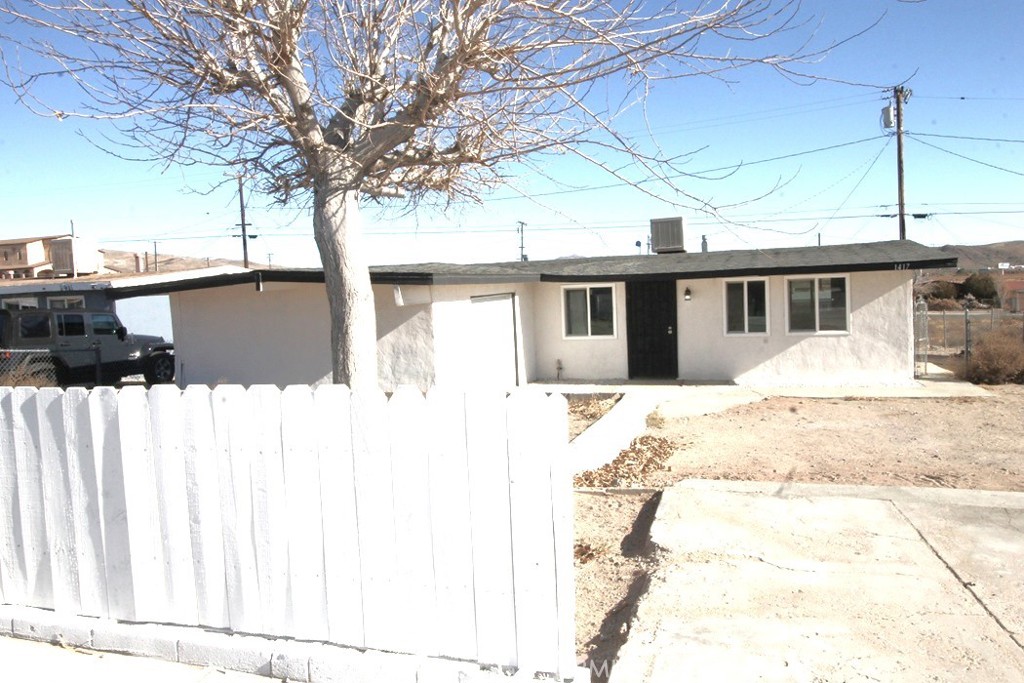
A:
[280,334]
[877,349]
[240,335]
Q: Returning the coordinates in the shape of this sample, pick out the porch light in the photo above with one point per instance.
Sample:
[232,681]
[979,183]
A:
[687,295]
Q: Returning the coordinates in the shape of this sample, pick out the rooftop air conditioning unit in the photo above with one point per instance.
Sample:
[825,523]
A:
[667,235]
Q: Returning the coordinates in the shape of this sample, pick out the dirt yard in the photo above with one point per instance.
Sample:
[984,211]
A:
[973,443]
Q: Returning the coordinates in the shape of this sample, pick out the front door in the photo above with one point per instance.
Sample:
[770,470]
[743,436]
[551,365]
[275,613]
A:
[651,329]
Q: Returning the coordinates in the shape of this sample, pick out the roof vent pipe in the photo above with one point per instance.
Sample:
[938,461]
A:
[704,244]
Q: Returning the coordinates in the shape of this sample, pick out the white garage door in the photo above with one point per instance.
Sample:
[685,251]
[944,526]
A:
[493,341]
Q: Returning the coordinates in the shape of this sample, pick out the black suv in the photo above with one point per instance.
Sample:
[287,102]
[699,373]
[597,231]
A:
[86,346]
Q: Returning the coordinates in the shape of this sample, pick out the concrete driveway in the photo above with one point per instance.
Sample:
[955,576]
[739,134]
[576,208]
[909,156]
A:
[800,582]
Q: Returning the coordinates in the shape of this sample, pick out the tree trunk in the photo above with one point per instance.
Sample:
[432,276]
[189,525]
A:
[337,228]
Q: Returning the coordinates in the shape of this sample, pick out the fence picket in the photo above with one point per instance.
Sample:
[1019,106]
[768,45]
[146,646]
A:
[438,526]
[231,413]
[562,524]
[486,443]
[530,434]
[149,575]
[12,577]
[35,548]
[167,421]
[451,524]
[269,509]
[308,613]
[104,429]
[410,434]
[85,504]
[343,581]
[57,509]
[375,510]
[202,485]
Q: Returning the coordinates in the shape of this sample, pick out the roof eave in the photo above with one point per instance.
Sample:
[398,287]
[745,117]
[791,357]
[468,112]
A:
[752,271]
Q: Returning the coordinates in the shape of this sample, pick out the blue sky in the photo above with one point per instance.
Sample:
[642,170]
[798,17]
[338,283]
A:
[964,162]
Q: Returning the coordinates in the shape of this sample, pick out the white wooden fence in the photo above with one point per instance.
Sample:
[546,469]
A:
[432,526]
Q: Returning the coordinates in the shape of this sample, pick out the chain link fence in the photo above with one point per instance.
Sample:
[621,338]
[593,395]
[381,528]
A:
[947,338]
[33,368]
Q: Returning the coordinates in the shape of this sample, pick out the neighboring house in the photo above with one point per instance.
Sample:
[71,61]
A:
[31,257]
[814,315]
[149,315]
[1012,294]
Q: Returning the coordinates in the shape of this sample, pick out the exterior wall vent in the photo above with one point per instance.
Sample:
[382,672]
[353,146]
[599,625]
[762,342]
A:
[667,235]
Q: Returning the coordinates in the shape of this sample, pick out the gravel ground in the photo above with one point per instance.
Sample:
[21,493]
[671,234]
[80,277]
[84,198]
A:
[974,443]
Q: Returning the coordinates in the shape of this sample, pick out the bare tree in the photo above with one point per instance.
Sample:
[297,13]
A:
[337,99]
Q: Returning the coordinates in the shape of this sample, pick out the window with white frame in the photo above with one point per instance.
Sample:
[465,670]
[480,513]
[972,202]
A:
[19,304]
[589,311]
[746,307]
[63,302]
[817,304]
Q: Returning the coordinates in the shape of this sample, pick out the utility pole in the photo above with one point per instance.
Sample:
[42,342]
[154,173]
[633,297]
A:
[900,94]
[74,252]
[245,237]
[522,240]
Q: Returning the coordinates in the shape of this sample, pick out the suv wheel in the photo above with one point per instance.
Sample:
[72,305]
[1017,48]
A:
[159,369]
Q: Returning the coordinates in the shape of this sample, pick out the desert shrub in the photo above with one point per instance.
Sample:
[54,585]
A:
[982,286]
[27,373]
[998,357]
[944,305]
[942,290]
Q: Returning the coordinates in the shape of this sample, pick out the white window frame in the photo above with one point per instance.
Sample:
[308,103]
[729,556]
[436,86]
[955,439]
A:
[78,300]
[817,332]
[21,303]
[587,287]
[746,313]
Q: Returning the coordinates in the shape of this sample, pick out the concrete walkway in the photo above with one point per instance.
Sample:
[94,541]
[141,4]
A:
[769,582]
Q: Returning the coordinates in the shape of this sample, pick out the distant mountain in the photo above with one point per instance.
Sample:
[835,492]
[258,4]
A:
[978,256]
[124,262]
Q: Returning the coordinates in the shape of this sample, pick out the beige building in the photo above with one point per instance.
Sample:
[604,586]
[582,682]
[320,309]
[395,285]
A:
[839,315]
[53,255]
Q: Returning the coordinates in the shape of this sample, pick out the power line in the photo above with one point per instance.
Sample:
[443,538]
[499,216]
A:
[730,167]
[966,158]
[965,137]
[568,227]
[762,114]
[965,98]
[858,183]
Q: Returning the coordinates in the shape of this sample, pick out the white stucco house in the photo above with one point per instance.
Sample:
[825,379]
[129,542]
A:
[815,315]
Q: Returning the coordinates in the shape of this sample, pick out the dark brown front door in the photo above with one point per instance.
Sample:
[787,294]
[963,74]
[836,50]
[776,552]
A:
[651,329]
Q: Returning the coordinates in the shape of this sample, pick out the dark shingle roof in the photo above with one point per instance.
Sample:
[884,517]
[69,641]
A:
[894,255]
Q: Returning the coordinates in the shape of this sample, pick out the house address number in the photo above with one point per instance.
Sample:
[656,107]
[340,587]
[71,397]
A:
[901,266]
